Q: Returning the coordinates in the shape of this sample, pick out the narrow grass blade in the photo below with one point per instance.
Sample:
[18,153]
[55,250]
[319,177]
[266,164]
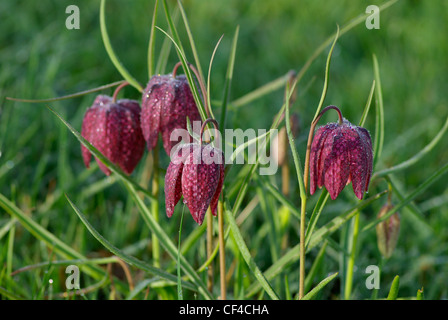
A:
[367,107]
[319,287]
[295,154]
[110,51]
[189,76]
[417,157]
[166,47]
[317,237]
[280,197]
[229,77]
[379,123]
[327,75]
[261,91]
[69,96]
[115,169]
[190,38]
[47,237]
[209,75]
[393,292]
[422,187]
[319,206]
[129,259]
[166,241]
[152,41]
[179,253]
[247,256]
[315,267]
[11,296]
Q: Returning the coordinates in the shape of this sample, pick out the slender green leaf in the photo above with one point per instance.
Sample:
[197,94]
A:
[190,38]
[47,237]
[69,96]
[188,75]
[247,256]
[151,43]
[417,157]
[393,292]
[280,197]
[319,287]
[229,77]
[179,253]
[166,241]
[319,206]
[119,253]
[317,237]
[367,107]
[315,267]
[209,75]
[261,91]
[327,75]
[422,187]
[379,123]
[110,51]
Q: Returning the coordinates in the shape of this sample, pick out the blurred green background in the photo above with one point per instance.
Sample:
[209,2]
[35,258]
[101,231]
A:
[40,58]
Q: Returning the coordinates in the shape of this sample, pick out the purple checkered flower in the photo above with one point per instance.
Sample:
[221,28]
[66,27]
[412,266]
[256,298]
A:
[114,129]
[341,153]
[166,103]
[195,172]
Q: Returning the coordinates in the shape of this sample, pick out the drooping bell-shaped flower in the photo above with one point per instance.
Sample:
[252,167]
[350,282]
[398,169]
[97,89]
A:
[195,172]
[114,129]
[166,103]
[341,153]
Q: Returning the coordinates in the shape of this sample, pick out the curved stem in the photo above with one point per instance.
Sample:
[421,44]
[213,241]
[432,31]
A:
[215,123]
[175,69]
[310,139]
[118,89]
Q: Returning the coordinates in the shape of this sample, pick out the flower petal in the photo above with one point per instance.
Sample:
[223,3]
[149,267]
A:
[152,102]
[132,143]
[199,183]
[173,180]
[336,169]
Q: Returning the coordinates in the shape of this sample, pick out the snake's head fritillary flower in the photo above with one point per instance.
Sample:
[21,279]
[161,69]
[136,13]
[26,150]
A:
[387,231]
[195,172]
[166,103]
[341,153]
[114,129]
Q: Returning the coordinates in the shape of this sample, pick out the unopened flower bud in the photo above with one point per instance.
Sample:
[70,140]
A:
[387,231]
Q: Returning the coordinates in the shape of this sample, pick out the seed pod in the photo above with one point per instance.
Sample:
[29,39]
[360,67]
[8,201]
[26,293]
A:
[340,154]
[197,173]
[166,103]
[387,231]
[114,129]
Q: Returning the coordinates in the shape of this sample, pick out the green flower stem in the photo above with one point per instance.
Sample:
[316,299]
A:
[351,261]
[222,254]
[155,206]
[209,249]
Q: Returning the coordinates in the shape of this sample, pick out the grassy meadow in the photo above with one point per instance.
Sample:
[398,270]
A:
[55,213]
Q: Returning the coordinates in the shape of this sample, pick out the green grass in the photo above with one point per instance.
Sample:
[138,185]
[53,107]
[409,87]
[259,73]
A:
[42,232]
